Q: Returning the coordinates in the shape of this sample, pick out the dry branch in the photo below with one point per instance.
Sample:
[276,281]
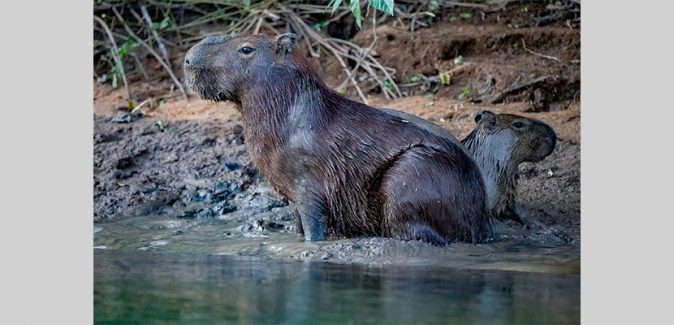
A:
[149,48]
[499,96]
[115,54]
[148,20]
[524,45]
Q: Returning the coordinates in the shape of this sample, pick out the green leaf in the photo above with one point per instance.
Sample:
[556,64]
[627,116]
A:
[465,15]
[464,92]
[445,78]
[335,4]
[164,23]
[162,102]
[354,5]
[415,78]
[429,95]
[388,85]
[382,5]
[434,6]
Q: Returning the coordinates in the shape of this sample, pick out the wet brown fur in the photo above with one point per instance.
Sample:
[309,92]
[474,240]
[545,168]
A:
[499,148]
[351,169]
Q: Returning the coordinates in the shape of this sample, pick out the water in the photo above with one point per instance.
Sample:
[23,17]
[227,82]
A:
[143,287]
[516,250]
[159,270]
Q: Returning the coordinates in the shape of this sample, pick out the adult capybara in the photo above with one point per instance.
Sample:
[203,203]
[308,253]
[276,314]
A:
[499,143]
[351,169]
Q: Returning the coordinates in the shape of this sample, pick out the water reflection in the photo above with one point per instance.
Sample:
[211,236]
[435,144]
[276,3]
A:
[158,287]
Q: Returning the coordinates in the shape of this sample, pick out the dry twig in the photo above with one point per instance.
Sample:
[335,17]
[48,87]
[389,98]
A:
[524,45]
[149,48]
[499,96]
[115,53]
[148,20]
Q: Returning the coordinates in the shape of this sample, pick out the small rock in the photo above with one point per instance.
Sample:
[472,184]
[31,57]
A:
[158,243]
[99,247]
[274,225]
[306,254]
[97,229]
[122,117]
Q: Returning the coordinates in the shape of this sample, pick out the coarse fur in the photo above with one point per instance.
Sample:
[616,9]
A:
[499,143]
[350,169]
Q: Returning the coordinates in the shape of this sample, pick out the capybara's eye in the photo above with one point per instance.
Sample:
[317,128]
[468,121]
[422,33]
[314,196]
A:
[519,125]
[246,50]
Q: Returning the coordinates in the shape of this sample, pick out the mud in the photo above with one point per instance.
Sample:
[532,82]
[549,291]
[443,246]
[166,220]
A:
[177,177]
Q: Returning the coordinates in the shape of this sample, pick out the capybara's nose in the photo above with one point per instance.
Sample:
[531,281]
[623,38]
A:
[193,60]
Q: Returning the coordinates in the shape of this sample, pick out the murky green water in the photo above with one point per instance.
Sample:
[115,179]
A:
[253,269]
[151,287]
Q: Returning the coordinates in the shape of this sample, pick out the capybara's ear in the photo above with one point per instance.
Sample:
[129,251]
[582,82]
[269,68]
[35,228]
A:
[284,43]
[485,117]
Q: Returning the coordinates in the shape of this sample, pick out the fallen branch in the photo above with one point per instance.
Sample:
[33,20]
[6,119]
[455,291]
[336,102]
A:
[149,48]
[437,78]
[497,97]
[365,51]
[115,54]
[524,45]
[148,20]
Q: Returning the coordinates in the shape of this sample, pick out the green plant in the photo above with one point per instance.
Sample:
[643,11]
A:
[389,85]
[381,5]
[464,92]
[321,25]
[465,15]
[433,6]
[161,25]
[161,126]
[415,78]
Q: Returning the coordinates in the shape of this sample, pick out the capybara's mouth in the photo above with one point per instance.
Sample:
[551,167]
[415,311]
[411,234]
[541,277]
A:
[205,83]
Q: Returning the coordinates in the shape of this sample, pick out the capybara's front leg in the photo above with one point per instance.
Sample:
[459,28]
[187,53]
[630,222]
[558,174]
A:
[298,222]
[311,212]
